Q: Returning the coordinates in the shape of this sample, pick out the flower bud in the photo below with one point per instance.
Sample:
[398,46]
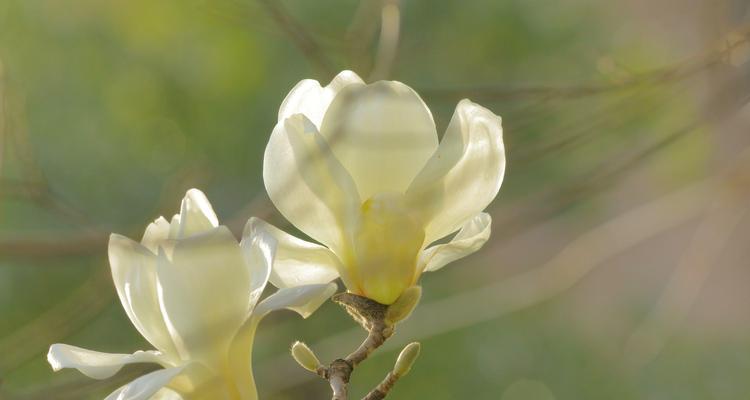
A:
[404,305]
[305,357]
[406,359]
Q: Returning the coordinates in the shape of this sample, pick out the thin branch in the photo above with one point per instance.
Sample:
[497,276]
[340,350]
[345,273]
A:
[379,320]
[688,279]
[662,75]
[390,30]
[383,387]
[298,34]
[361,33]
[371,315]
[61,319]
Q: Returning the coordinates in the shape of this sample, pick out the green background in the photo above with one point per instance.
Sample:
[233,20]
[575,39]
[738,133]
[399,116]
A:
[112,109]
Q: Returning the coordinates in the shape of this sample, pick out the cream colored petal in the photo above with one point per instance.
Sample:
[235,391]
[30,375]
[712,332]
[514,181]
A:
[196,214]
[297,262]
[241,359]
[259,247]
[174,227]
[166,394]
[145,387]
[312,100]
[156,232]
[472,236]
[94,364]
[204,292]
[464,174]
[382,133]
[134,274]
[303,300]
[306,182]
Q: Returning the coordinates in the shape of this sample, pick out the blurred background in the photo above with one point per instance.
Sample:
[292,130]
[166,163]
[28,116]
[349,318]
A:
[618,266]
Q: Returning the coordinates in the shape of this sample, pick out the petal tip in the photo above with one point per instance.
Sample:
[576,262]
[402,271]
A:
[52,357]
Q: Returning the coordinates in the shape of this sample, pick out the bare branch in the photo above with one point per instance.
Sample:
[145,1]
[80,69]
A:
[664,75]
[299,35]
[390,29]
[374,318]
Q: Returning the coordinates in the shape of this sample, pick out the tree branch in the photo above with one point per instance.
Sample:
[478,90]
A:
[379,321]
[301,38]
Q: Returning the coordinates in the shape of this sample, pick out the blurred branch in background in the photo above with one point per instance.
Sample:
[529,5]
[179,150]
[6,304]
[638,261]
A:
[300,37]
[726,49]
[77,388]
[3,118]
[700,259]
[388,43]
[361,33]
[64,318]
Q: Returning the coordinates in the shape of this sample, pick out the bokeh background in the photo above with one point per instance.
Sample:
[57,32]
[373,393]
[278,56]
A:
[618,266]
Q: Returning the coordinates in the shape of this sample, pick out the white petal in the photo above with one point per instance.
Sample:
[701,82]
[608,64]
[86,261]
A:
[174,227]
[134,274]
[95,364]
[382,133]
[204,292]
[156,232]
[302,299]
[166,394]
[312,100]
[306,182]
[146,386]
[298,262]
[464,174]
[472,236]
[196,214]
[259,248]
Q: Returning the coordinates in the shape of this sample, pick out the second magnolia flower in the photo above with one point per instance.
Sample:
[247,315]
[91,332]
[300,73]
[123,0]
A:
[359,169]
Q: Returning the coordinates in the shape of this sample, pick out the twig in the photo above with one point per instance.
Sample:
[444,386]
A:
[371,315]
[403,364]
[62,319]
[662,75]
[301,38]
[687,281]
[390,28]
[379,321]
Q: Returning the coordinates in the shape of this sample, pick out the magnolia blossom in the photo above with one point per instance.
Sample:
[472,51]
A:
[359,169]
[191,290]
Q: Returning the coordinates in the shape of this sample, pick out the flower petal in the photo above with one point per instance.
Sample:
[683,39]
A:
[146,386]
[308,98]
[95,364]
[166,394]
[259,248]
[204,292]
[472,236]
[196,214]
[306,182]
[297,262]
[382,133]
[156,232]
[134,274]
[464,174]
[304,300]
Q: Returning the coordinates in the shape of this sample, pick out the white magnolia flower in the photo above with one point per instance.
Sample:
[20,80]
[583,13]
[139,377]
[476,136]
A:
[191,290]
[359,169]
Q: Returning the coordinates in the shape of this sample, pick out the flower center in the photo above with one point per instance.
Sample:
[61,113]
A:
[386,241]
